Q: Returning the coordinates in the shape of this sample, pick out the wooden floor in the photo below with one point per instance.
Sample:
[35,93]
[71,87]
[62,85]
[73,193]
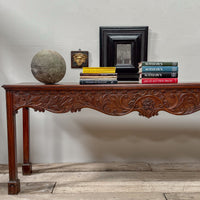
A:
[112,181]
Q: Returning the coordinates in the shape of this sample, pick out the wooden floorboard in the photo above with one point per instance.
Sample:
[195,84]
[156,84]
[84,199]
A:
[87,196]
[124,181]
[183,196]
[83,167]
[31,188]
[176,167]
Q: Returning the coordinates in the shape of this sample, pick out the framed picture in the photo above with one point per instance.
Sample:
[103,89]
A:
[123,46]
[79,59]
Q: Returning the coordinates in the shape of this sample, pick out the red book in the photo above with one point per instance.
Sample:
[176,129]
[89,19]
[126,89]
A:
[159,80]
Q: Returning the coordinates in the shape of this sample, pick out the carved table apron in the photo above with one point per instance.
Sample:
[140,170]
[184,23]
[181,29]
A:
[117,99]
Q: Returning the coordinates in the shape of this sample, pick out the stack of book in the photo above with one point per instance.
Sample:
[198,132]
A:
[158,72]
[127,73]
[98,75]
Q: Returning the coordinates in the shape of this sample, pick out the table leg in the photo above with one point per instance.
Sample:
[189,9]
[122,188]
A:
[27,166]
[14,182]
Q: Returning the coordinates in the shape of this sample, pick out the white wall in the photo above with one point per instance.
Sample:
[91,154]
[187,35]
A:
[27,26]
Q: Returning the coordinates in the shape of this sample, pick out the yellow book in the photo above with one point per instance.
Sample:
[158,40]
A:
[99,69]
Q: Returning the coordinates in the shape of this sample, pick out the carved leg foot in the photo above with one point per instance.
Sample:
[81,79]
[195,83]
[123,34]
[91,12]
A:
[27,168]
[14,187]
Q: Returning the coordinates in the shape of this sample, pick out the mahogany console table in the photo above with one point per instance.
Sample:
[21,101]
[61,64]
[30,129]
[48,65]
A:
[116,99]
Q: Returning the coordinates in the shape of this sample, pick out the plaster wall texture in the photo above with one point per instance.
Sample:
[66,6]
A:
[28,26]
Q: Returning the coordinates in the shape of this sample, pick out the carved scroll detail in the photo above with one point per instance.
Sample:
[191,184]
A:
[148,102]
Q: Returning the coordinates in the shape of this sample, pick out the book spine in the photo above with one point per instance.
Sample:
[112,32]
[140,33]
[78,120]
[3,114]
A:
[98,77]
[106,78]
[98,82]
[98,74]
[126,70]
[160,75]
[159,63]
[128,77]
[159,69]
[159,80]
[98,71]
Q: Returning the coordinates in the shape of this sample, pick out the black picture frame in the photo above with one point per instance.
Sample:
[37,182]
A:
[110,37]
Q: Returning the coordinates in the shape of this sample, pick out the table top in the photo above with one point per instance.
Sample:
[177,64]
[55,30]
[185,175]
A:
[77,86]
[115,99]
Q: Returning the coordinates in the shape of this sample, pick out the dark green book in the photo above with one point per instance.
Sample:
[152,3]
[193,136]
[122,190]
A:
[152,63]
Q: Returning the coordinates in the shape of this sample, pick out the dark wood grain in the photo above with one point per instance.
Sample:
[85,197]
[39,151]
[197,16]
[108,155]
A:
[148,100]
[14,183]
[117,99]
[27,166]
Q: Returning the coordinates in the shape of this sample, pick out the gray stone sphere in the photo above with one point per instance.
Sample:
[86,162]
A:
[48,66]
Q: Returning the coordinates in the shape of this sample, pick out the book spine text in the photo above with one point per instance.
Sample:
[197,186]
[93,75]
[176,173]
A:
[159,80]
[98,74]
[159,74]
[159,68]
[98,82]
[159,64]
